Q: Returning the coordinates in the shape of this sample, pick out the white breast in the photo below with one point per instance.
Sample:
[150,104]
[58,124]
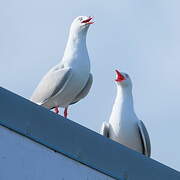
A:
[123,124]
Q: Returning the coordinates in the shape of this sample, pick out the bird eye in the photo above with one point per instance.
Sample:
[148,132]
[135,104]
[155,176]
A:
[80,19]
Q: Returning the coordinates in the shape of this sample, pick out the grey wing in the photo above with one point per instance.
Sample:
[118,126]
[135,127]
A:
[105,129]
[85,90]
[145,139]
[52,83]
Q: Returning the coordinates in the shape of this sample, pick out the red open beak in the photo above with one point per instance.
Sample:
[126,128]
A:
[88,21]
[120,77]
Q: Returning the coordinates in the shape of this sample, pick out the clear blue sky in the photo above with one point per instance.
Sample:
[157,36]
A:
[139,37]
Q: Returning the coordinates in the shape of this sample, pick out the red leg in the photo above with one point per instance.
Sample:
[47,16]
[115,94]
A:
[56,110]
[65,112]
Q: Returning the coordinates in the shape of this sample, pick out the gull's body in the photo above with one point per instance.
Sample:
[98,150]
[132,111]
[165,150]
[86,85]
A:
[124,126]
[70,80]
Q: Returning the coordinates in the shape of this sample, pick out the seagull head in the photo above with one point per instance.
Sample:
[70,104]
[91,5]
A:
[81,24]
[123,79]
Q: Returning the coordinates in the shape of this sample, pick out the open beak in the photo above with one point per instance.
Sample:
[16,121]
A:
[88,21]
[120,77]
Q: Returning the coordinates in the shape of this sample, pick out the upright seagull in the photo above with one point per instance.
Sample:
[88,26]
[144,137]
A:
[124,126]
[70,80]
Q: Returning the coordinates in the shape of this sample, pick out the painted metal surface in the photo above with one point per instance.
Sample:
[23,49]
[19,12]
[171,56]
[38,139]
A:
[78,142]
[23,159]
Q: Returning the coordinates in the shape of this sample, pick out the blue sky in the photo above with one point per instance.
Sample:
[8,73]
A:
[138,37]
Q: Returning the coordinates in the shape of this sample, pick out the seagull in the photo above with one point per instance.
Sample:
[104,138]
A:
[124,127]
[70,80]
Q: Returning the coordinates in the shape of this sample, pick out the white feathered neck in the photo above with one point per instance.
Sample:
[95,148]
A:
[76,42]
[123,108]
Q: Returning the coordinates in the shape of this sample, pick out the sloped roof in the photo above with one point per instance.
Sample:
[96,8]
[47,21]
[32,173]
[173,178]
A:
[77,142]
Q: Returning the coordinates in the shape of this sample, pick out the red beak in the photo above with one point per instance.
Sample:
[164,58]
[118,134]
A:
[87,21]
[120,77]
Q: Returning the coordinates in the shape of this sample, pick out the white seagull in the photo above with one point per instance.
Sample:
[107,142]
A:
[124,126]
[70,80]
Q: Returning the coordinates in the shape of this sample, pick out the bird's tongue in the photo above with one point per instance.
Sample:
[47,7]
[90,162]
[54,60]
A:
[120,77]
[87,21]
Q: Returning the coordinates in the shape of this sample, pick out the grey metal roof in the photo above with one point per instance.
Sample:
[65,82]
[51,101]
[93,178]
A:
[77,142]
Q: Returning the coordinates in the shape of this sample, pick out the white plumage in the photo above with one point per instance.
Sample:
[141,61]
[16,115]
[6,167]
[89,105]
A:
[124,126]
[70,80]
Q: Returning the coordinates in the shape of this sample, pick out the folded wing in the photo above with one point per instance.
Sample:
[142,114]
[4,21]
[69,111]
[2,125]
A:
[145,139]
[51,84]
[105,129]
[85,90]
